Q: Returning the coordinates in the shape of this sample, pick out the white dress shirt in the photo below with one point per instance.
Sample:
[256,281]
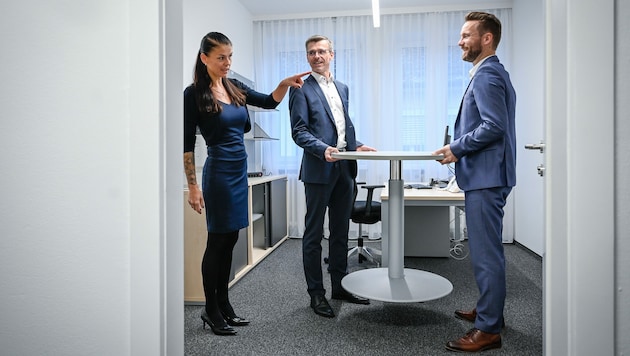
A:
[473,70]
[334,102]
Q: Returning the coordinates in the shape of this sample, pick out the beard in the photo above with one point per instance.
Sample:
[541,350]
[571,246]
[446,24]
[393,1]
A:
[471,54]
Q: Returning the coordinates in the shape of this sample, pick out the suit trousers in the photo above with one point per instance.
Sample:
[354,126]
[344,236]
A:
[338,197]
[484,221]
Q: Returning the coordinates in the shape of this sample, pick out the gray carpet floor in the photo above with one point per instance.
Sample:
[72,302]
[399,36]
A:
[273,296]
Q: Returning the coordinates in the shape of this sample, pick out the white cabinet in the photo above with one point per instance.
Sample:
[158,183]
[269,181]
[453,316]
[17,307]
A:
[267,206]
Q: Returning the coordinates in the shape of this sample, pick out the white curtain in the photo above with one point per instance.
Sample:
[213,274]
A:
[406,81]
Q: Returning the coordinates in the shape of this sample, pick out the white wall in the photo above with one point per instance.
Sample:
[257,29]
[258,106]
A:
[622,178]
[65,211]
[226,16]
[83,234]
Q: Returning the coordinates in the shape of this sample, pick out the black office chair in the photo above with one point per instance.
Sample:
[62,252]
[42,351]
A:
[365,211]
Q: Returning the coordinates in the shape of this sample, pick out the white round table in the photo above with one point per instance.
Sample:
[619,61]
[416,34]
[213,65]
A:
[395,283]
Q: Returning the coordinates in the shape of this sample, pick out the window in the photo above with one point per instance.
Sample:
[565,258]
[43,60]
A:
[406,79]
[413,62]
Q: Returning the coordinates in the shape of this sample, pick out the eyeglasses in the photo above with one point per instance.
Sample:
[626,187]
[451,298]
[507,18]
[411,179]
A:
[320,52]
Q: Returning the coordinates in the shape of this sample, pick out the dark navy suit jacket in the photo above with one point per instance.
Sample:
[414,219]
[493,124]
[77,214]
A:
[313,129]
[484,134]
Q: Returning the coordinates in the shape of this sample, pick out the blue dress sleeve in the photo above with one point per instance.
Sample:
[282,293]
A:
[254,98]
[191,119]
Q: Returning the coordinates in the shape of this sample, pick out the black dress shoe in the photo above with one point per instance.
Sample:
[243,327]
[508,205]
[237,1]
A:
[349,297]
[224,329]
[235,320]
[321,307]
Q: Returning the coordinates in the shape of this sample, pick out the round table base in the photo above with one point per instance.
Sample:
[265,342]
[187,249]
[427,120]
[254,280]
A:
[415,286]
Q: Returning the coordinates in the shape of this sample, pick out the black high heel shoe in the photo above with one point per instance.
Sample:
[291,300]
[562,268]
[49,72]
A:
[218,330]
[235,320]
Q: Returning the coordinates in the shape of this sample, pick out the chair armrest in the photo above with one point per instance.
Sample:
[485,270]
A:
[370,194]
[372,187]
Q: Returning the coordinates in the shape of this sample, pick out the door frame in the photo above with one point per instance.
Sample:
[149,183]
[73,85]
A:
[579,133]
[578,263]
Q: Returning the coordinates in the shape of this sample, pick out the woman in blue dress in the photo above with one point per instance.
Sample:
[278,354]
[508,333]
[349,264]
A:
[216,105]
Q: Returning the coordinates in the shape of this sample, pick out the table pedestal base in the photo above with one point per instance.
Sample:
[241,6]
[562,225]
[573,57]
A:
[415,286]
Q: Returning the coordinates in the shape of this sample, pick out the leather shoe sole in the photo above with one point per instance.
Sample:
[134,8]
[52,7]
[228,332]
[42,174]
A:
[321,307]
[350,298]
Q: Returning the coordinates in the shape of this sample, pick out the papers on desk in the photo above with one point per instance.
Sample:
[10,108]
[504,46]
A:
[417,186]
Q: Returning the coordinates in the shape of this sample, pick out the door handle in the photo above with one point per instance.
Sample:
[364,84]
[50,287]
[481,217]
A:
[536,146]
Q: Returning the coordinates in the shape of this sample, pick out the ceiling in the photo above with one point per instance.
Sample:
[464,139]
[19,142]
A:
[284,8]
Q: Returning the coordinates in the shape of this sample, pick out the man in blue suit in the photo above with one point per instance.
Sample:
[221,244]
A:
[321,126]
[484,152]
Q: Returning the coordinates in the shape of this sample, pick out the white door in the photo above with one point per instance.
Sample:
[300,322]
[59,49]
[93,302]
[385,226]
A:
[562,215]
[528,80]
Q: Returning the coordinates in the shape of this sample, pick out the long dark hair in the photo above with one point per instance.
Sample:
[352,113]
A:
[206,102]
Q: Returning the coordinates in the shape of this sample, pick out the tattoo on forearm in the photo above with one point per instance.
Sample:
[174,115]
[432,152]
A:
[189,168]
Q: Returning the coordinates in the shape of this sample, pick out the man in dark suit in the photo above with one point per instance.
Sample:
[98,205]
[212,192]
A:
[321,126]
[484,152]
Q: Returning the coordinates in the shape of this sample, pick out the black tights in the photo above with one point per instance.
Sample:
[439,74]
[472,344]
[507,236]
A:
[215,268]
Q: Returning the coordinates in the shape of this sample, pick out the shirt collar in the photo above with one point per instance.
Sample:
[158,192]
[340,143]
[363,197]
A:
[321,79]
[473,70]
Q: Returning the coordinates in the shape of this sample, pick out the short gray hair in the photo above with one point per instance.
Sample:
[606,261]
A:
[317,38]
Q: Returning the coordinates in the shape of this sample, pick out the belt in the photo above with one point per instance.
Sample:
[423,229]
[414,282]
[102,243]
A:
[341,149]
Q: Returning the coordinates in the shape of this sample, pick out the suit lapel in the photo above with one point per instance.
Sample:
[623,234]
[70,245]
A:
[343,95]
[315,86]
[461,103]
[489,60]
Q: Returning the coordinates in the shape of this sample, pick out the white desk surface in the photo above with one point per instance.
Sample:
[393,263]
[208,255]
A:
[425,194]
[387,155]
[264,179]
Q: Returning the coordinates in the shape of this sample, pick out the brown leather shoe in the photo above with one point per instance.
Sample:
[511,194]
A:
[468,315]
[471,315]
[475,340]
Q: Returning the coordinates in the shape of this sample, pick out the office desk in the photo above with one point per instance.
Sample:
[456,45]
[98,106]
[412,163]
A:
[426,221]
[395,283]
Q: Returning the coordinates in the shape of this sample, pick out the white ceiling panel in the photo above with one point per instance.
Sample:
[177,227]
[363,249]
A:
[265,9]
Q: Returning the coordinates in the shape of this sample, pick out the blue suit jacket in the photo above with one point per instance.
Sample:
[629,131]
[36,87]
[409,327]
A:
[484,134]
[313,129]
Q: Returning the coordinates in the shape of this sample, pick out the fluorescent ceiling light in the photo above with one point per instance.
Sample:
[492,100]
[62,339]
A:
[376,14]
